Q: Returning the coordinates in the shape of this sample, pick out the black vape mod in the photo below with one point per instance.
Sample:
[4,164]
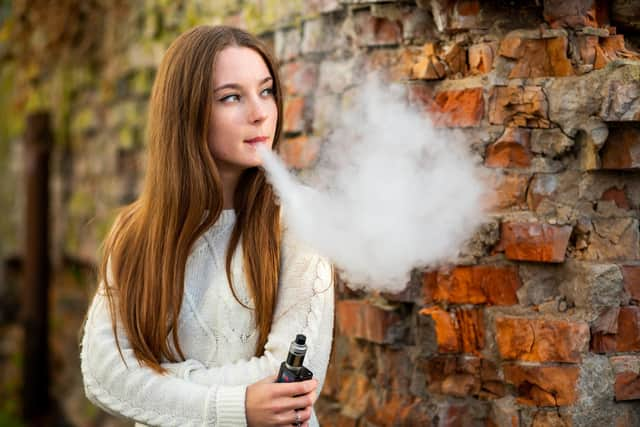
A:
[291,370]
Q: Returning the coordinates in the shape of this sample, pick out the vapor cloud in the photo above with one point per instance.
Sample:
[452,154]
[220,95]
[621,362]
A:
[388,193]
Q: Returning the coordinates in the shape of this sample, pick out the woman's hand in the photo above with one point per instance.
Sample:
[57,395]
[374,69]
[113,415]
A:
[276,404]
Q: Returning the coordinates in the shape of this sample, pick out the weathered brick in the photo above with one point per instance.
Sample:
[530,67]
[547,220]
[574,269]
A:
[541,340]
[543,385]
[537,57]
[299,152]
[460,330]
[360,319]
[627,372]
[511,150]
[622,149]
[518,106]
[287,44]
[481,284]
[374,31]
[622,101]
[457,108]
[463,376]
[455,56]
[428,68]
[571,13]
[631,275]
[393,64]
[509,190]
[355,393]
[624,336]
[534,241]
[551,419]
[481,57]
[612,239]
[299,78]
[294,111]
[618,196]
[611,48]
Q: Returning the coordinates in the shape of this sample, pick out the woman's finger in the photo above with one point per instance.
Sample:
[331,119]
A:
[295,389]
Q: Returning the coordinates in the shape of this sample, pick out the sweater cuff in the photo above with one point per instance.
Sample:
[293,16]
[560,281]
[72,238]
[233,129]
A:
[230,406]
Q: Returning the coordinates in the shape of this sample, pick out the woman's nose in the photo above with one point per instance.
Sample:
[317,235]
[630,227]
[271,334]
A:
[257,111]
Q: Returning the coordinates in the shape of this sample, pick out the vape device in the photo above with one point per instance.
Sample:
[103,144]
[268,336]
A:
[291,370]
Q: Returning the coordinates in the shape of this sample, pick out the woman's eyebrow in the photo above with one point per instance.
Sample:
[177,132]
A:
[237,86]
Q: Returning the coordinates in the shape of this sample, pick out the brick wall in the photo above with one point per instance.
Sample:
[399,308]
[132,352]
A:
[539,327]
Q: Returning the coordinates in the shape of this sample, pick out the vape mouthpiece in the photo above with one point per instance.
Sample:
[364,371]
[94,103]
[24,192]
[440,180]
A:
[300,339]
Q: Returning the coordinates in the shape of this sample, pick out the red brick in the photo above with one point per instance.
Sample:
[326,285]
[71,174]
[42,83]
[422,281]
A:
[511,150]
[294,115]
[518,106]
[481,58]
[460,330]
[625,338]
[622,149]
[627,372]
[537,57]
[457,108]
[534,241]
[543,385]
[481,284]
[541,340]
[359,319]
[299,152]
[631,274]
[618,196]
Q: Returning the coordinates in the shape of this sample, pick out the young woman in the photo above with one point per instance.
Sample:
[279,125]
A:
[202,289]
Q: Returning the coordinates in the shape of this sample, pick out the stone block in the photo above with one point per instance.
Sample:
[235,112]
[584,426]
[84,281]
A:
[627,372]
[534,241]
[543,385]
[623,336]
[480,284]
[518,106]
[360,319]
[541,340]
[511,150]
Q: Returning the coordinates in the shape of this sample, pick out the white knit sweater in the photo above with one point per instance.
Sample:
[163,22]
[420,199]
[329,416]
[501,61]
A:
[218,337]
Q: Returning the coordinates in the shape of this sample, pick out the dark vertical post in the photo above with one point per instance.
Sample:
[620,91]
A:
[35,310]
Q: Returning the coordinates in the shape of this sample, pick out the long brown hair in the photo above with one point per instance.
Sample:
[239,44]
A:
[146,250]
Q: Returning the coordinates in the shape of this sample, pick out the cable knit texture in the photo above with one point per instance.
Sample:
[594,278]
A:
[218,337]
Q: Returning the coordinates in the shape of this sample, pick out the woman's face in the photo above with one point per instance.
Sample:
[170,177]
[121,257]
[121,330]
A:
[244,111]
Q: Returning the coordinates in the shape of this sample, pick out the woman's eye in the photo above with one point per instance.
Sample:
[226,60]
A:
[267,91]
[230,98]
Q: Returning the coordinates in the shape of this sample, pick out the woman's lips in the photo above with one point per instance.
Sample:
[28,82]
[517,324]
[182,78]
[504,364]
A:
[256,139]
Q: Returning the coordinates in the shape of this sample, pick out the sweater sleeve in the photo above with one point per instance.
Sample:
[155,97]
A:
[137,392]
[305,305]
